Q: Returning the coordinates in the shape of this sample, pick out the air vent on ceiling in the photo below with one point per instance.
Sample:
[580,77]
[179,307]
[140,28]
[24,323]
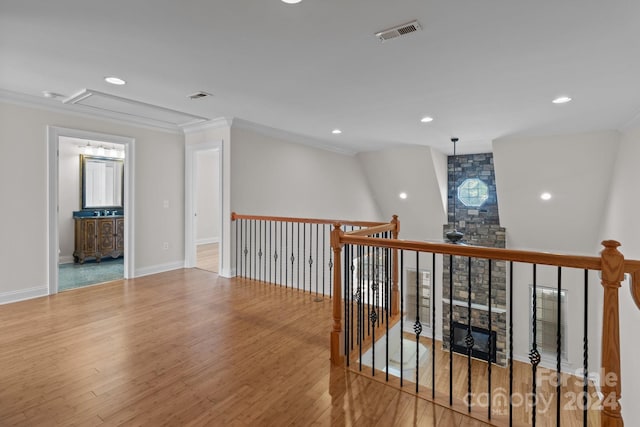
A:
[400,30]
[199,95]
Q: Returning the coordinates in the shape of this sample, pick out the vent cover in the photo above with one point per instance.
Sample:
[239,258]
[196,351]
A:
[199,95]
[400,30]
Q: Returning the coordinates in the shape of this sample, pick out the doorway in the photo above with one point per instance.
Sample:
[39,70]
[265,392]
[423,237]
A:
[91,213]
[112,258]
[203,207]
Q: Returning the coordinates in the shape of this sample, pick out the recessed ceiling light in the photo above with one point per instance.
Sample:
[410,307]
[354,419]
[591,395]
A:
[402,195]
[545,196]
[336,131]
[561,100]
[291,1]
[114,80]
[426,119]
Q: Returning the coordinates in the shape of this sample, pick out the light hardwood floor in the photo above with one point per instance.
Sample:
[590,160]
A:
[187,348]
[207,257]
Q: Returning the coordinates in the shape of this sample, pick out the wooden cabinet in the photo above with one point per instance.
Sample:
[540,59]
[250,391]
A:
[98,237]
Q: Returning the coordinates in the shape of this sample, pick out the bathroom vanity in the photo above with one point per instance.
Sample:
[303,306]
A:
[98,237]
[99,225]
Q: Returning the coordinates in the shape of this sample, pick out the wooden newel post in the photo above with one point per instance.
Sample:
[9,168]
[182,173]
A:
[395,295]
[337,351]
[612,275]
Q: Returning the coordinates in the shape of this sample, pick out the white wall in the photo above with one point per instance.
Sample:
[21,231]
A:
[159,176]
[271,176]
[411,170]
[207,197]
[576,169]
[622,224]
[68,195]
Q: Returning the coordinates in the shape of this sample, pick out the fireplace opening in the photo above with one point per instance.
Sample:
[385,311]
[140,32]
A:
[481,337]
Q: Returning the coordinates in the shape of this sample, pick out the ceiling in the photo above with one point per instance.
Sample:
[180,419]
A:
[483,69]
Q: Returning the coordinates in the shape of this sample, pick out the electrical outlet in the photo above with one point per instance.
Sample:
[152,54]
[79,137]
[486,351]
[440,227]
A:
[165,246]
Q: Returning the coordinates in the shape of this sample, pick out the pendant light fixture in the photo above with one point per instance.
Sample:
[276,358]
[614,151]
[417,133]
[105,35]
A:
[454,236]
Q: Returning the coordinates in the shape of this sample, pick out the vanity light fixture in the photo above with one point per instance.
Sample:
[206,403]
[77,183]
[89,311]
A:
[115,80]
[88,149]
[561,100]
[336,131]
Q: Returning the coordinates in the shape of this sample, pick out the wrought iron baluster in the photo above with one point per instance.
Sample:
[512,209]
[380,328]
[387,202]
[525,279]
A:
[246,250]
[369,276]
[432,305]
[252,262]
[310,256]
[304,257]
[559,348]
[298,263]
[386,303]
[401,316]
[347,298]
[469,338]
[324,254]
[491,344]
[417,326]
[510,343]
[451,330]
[373,316]
[260,251]
[286,252]
[360,306]
[534,355]
[237,246]
[270,253]
[282,254]
[317,257]
[585,352]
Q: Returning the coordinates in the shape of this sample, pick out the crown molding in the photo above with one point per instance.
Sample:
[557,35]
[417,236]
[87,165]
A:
[291,137]
[217,123]
[75,110]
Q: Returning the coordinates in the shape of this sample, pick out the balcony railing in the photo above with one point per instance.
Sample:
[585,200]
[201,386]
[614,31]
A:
[387,318]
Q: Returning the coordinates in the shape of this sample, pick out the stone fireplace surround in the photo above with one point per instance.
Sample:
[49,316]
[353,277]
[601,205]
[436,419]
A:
[481,227]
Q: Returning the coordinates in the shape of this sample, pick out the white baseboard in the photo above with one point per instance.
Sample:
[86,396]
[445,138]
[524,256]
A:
[227,273]
[23,294]
[66,259]
[161,268]
[207,240]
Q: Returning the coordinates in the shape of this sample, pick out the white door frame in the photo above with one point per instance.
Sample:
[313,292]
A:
[190,169]
[53,135]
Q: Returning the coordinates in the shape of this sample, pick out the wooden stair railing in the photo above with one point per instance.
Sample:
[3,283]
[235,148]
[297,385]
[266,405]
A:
[611,263]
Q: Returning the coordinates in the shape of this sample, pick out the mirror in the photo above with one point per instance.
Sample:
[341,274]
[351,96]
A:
[102,182]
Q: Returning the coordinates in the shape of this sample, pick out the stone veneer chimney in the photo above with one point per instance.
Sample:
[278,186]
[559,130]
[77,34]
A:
[481,227]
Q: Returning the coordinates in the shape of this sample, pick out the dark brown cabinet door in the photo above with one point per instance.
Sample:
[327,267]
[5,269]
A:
[119,235]
[106,233]
[98,237]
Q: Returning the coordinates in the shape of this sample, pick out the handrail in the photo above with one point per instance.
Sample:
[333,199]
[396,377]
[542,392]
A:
[236,216]
[543,258]
[372,230]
